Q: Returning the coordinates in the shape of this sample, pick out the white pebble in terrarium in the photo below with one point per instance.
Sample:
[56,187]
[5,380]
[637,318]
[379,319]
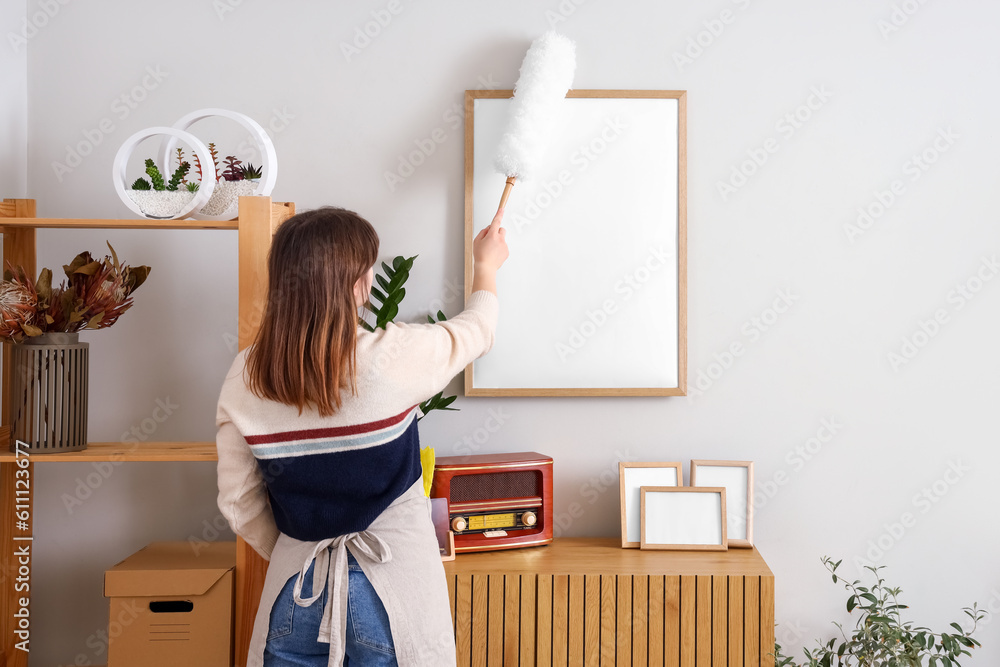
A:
[226,196]
[163,204]
[157,198]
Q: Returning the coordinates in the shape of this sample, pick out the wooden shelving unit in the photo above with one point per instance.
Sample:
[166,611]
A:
[258,219]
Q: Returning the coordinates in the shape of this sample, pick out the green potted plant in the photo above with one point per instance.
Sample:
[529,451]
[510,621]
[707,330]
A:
[49,364]
[233,180]
[881,637]
[388,291]
[159,198]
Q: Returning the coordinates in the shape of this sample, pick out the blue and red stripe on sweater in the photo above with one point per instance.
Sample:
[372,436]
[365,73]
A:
[326,482]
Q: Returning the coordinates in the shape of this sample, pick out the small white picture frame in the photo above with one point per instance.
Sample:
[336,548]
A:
[632,476]
[683,518]
[737,478]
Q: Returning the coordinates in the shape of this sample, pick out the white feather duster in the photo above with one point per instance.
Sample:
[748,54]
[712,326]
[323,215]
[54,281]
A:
[545,77]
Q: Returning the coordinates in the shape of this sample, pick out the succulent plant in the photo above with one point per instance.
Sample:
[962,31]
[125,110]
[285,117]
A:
[180,161]
[141,184]
[178,175]
[215,160]
[193,186]
[197,167]
[250,172]
[232,171]
[154,175]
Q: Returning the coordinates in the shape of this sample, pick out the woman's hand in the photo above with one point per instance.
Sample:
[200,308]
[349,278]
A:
[490,246]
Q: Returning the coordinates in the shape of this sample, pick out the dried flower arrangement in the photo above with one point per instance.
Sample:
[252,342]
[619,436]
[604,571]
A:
[96,295]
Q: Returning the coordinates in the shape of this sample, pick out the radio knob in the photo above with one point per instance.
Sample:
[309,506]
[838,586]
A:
[458,524]
[529,519]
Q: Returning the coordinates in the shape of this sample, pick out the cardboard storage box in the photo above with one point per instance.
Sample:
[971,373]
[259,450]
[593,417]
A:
[172,604]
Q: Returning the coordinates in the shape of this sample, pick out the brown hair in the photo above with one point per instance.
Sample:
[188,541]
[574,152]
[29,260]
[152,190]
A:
[304,350]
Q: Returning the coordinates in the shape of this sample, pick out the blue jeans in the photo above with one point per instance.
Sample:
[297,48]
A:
[292,631]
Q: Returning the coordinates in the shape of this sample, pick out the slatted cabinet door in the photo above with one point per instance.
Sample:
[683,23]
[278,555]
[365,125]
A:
[589,602]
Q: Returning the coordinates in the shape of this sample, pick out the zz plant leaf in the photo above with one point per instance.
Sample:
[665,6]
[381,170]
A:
[389,294]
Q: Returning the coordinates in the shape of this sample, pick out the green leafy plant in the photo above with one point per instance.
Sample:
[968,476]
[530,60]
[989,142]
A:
[389,293]
[881,637]
[193,186]
[178,176]
[251,172]
[154,175]
[180,161]
[141,184]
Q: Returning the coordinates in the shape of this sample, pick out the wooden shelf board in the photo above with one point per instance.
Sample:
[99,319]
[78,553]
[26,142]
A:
[88,223]
[604,555]
[127,451]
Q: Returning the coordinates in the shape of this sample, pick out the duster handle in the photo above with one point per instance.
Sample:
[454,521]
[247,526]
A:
[506,191]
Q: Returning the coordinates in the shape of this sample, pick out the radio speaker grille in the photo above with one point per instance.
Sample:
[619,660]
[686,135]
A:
[490,486]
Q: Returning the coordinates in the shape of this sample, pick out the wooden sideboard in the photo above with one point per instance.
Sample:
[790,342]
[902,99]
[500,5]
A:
[587,601]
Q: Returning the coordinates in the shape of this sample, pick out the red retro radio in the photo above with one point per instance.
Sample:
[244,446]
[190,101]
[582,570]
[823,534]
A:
[496,501]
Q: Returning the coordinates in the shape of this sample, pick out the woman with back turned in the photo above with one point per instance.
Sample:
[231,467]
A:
[319,461]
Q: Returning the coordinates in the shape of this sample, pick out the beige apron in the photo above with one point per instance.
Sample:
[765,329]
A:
[399,554]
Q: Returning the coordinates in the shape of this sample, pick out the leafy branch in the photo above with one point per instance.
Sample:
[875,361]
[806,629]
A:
[389,293]
[881,637]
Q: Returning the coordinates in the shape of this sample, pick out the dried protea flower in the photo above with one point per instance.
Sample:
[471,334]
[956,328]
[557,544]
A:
[93,296]
[17,309]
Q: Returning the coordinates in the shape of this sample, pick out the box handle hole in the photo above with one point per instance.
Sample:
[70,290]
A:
[171,606]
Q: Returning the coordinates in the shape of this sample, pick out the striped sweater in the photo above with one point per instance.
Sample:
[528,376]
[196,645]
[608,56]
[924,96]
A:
[313,477]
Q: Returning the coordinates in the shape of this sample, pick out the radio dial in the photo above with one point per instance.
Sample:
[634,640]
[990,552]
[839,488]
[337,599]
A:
[458,524]
[529,519]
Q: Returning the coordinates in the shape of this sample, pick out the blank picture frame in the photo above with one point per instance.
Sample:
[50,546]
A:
[632,476]
[594,291]
[683,518]
[737,478]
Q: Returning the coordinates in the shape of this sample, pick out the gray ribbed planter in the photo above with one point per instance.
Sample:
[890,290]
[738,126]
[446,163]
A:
[48,393]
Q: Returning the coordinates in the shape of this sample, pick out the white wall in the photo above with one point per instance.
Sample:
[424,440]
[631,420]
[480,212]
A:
[824,360]
[13,102]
